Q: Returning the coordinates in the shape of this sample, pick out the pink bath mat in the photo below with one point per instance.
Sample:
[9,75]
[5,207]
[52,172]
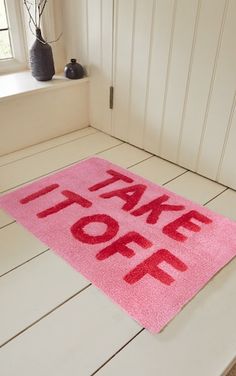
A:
[147,248]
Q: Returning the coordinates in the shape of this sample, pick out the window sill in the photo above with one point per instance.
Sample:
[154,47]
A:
[22,83]
[11,66]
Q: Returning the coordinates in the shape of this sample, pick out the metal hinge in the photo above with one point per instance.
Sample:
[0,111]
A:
[111,97]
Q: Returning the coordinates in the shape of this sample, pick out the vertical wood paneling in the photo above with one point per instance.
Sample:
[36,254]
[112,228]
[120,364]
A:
[220,103]
[94,57]
[82,43]
[172,64]
[99,15]
[186,18]
[124,29]
[139,73]
[106,67]
[226,169]
[163,22]
[202,69]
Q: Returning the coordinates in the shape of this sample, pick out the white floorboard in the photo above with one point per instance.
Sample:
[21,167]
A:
[73,340]
[5,219]
[157,170]
[43,146]
[225,204]
[195,187]
[33,290]
[27,169]
[17,246]
[125,155]
[52,330]
[200,341]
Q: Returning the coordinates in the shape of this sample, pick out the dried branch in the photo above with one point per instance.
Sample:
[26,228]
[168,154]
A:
[55,40]
[35,11]
[28,7]
[39,20]
[39,7]
[30,27]
[43,6]
[29,2]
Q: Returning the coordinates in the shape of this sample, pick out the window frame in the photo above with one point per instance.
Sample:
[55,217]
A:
[18,39]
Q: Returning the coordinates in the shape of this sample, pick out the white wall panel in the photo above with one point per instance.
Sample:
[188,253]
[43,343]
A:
[172,64]
[204,60]
[226,169]
[124,30]
[220,102]
[95,60]
[139,73]
[162,36]
[88,37]
[106,64]
[178,75]
[100,19]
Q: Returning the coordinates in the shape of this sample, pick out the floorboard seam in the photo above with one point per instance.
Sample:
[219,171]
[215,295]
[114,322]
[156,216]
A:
[117,352]
[56,170]
[213,198]
[45,315]
[44,150]
[25,262]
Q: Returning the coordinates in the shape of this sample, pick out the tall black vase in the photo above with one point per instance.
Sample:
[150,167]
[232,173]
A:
[41,59]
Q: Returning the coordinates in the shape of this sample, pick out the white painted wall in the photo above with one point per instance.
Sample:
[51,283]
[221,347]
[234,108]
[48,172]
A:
[88,34]
[75,29]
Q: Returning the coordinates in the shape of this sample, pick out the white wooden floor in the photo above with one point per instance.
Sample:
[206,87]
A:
[53,322]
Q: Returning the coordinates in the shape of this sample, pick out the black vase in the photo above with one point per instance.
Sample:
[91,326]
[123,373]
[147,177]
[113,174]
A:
[73,70]
[41,59]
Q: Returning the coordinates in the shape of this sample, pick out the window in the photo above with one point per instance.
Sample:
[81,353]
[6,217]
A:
[5,42]
[12,40]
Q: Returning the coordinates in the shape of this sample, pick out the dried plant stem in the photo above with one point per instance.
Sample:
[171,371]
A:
[28,8]
[36,16]
[39,7]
